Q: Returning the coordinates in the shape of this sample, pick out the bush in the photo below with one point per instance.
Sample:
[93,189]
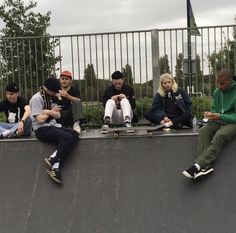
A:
[143,105]
[94,113]
[200,105]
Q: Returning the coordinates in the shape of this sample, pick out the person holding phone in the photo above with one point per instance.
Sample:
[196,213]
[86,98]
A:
[69,100]
[220,128]
[46,128]
[119,102]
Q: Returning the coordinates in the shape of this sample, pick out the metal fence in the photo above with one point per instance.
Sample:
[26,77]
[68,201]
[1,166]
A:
[142,55]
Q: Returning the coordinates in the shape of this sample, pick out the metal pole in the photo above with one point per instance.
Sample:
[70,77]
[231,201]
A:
[189,50]
[155,60]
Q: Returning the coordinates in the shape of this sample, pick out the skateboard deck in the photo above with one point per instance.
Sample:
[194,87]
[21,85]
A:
[116,130]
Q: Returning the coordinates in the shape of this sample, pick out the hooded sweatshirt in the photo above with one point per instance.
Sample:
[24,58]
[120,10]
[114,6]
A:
[224,102]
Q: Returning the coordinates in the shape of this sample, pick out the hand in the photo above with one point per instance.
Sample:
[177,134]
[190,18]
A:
[214,116]
[166,119]
[57,108]
[122,96]
[64,93]
[20,130]
[207,114]
[115,98]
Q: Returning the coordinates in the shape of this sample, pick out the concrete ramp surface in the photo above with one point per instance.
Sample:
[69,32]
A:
[125,185]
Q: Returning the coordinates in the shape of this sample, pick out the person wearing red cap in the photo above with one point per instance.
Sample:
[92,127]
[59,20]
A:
[72,109]
[17,112]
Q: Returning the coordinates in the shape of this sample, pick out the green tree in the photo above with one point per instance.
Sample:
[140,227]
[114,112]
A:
[23,60]
[164,64]
[179,73]
[90,83]
[127,71]
[224,58]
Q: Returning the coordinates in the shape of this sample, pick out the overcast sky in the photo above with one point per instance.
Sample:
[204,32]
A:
[81,16]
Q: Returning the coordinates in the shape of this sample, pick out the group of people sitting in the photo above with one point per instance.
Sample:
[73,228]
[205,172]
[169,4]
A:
[58,104]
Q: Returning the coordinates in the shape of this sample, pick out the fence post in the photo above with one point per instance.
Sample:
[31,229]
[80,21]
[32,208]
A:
[155,60]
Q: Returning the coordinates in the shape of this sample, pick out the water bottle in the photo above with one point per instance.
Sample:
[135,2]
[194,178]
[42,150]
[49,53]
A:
[195,123]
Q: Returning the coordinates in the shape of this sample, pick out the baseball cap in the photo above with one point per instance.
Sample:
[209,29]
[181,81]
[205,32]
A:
[12,87]
[66,73]
[52,84]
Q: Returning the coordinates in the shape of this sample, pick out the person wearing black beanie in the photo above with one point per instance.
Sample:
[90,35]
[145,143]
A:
[119,102]
[46,128]
[17,112]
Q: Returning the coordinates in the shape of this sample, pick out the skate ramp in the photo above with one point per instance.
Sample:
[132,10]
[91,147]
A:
[125,185]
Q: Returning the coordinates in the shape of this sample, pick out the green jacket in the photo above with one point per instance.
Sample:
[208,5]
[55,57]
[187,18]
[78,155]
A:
[225,103]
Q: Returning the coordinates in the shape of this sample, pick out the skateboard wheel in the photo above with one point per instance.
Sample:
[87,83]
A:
[115,135]
[149,134]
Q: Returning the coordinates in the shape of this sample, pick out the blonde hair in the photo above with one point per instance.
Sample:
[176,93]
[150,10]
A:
[161,89]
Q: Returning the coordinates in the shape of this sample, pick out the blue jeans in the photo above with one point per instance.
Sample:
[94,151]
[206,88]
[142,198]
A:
[14,126]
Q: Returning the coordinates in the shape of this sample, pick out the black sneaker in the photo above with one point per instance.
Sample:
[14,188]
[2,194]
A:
[49,161]
[55,174]
[190,172]
[107,121]
[203,172]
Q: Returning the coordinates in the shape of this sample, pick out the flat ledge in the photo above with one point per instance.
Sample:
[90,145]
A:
[96,134]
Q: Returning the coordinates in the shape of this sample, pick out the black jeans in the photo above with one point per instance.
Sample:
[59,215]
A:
[63,138]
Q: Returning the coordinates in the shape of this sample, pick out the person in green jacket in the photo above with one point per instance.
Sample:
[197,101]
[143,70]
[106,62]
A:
[220,128]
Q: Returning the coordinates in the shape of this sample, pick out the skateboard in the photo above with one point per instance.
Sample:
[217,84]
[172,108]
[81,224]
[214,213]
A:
[116,130]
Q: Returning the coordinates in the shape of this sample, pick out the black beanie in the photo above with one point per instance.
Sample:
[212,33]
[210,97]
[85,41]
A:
[52,84]
[117,75]
[12,87]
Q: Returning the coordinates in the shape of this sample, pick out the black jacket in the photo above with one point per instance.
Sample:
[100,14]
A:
[157,112]
[126,90]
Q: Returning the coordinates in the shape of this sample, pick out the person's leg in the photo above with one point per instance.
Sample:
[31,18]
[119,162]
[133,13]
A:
[224,135]
[66,117]
[206,133]
[64,138]
[28,126]
[77,111]
[181,120]
[126,110]
[109,108]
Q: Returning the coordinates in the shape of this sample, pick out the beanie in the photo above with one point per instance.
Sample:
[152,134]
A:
[12,87]
[52,84]
[117,75]
[66,73]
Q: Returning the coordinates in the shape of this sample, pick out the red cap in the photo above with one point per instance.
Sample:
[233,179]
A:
[66,73]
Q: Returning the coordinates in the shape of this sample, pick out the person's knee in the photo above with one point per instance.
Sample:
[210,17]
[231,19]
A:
[222,136]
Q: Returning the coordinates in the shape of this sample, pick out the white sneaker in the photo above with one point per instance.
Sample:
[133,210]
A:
[76,127]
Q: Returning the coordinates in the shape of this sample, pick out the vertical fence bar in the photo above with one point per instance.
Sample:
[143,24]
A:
[155,60]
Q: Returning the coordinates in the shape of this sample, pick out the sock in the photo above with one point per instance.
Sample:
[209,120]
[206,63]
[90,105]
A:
[54,154]
[56,165]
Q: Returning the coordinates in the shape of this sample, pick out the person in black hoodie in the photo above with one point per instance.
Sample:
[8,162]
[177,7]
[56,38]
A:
[171,106]
[119,102]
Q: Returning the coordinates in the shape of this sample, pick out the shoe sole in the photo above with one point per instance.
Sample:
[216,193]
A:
[186,174]
[201,174]
[53,177]
[49,165]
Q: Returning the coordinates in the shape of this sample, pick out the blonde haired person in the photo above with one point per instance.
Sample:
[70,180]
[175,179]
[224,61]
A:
[171,106]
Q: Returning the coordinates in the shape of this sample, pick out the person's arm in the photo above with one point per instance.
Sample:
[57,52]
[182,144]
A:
[26,114]
[66,95]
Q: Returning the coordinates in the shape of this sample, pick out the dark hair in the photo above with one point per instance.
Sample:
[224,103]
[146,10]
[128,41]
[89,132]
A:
[117,75]
[52,84]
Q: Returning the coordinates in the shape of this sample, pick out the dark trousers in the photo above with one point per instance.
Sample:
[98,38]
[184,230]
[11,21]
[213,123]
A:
[63,138]
[72,114]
